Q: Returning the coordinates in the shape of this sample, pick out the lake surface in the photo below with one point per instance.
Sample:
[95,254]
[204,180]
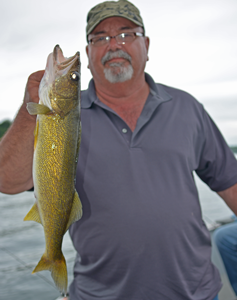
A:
[22,245]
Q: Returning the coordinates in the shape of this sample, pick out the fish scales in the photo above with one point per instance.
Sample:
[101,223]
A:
[57,141]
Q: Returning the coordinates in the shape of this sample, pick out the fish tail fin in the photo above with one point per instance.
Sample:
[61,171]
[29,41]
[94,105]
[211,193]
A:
[59,274]
[58,270]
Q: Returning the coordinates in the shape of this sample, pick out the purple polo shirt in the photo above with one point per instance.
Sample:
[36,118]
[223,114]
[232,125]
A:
[142,236]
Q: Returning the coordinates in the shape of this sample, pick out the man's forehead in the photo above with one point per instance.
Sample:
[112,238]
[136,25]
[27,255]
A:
[116,23]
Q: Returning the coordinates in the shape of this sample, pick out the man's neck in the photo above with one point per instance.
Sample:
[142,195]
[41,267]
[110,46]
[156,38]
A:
[127,99]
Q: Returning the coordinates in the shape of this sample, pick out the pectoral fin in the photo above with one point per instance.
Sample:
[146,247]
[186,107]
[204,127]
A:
[37,109]
[33,214]
[76,212]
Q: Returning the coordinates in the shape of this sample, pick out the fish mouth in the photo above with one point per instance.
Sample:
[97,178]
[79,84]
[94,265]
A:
[58,68]
[58,54]
[62,63]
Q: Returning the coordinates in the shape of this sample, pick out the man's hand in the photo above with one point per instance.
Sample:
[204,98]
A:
[32,87]
[17,145]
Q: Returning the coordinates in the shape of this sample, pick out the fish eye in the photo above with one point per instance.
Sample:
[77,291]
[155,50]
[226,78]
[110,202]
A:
[75,76]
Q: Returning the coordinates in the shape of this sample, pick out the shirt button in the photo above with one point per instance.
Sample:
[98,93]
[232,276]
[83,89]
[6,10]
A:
[124,130]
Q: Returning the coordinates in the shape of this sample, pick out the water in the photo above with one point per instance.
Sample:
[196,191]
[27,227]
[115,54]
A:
[22,245]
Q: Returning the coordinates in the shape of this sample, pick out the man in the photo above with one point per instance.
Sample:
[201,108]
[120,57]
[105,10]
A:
[225,238]
[141,236]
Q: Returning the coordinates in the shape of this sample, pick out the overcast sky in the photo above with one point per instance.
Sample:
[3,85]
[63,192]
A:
[193,47]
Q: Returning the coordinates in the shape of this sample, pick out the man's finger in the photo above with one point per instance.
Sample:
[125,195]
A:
[36,76]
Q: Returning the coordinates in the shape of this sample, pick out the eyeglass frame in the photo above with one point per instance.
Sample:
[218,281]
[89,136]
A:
[108,38]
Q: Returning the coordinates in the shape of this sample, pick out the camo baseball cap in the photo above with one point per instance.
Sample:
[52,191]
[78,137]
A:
[121,8]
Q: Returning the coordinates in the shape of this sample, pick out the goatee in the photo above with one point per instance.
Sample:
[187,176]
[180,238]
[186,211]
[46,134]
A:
[117,72]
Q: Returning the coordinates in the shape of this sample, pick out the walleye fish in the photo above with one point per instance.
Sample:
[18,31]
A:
[56,147]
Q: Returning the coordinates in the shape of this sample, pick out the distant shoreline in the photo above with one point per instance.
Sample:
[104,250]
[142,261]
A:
[234,149]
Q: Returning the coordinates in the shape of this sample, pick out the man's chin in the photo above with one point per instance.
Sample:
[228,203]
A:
[118,74]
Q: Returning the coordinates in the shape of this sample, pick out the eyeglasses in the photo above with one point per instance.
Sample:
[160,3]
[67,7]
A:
[122,38]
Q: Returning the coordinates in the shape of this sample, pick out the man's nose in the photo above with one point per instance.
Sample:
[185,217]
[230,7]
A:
[113,44]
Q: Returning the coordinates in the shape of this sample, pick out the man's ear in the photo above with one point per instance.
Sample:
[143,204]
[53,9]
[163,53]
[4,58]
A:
[87,51]
[147,42]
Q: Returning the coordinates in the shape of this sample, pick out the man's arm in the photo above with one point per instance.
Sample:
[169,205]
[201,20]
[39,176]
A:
[17,145]
[230,197]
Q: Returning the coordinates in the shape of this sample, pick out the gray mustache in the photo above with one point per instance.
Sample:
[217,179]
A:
[112,54]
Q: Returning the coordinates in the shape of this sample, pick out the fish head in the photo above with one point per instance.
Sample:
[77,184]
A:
[60,86]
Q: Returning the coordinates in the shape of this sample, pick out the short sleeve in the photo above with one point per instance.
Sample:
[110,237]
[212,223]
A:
[217,163]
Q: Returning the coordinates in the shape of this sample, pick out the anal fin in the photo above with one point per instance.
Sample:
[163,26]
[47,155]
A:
[76,212]
[33,214]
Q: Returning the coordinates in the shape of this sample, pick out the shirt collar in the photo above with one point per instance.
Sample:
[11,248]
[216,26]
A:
[89,95]
[157,90]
